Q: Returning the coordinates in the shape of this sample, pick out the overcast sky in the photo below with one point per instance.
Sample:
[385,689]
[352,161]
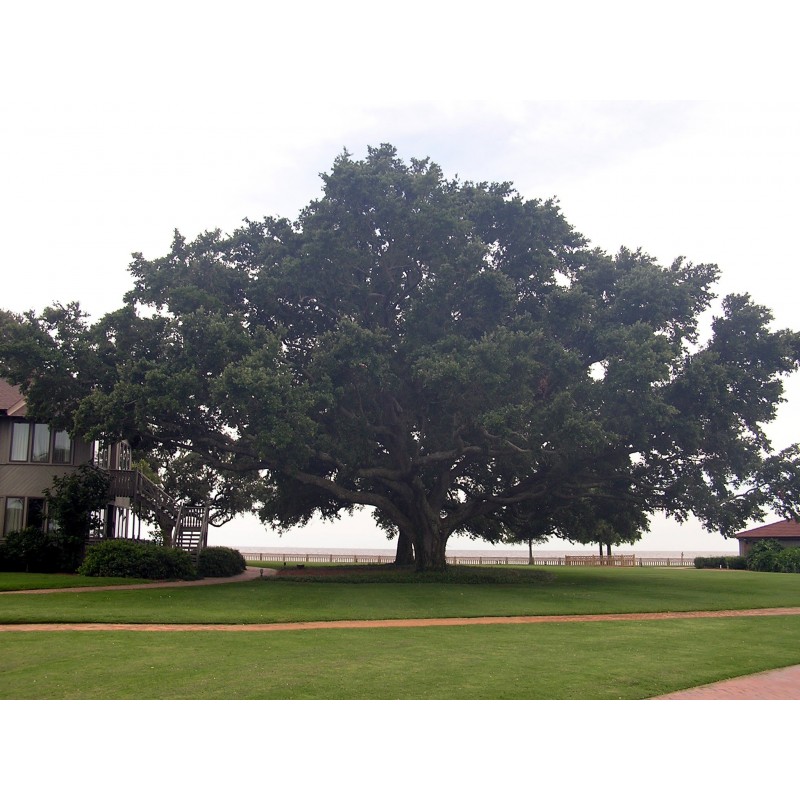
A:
[677,132]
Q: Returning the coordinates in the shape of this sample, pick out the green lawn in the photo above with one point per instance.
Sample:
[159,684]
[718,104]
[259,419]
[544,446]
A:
[551,661]
[609,660]
[573,590]
[16,581]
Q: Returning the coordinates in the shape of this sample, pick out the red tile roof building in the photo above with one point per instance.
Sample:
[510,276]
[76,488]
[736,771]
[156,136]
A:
[787,532]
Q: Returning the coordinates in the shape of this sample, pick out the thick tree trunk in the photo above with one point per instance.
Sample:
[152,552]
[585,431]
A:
[608,551]
[530,551]
[421,524]
[405,550]
[430,544]
[601,549]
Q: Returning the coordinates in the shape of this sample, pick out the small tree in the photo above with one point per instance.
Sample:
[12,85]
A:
[74,505]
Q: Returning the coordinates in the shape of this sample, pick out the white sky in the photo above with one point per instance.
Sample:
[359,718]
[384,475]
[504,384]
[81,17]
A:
[675,130]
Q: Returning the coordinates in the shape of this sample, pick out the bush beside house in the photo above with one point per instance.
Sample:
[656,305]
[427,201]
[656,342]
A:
[30,550]
[770,556]
[129,558]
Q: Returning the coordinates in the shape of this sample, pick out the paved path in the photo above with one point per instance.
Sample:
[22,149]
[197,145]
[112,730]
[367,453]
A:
[780,684]
[250,574]
[776,684]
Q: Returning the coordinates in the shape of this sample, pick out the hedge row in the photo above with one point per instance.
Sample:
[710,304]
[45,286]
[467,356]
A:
[127,558]
[770,556]
[720,562]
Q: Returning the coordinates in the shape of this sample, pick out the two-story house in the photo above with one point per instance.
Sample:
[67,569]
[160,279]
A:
[32,453]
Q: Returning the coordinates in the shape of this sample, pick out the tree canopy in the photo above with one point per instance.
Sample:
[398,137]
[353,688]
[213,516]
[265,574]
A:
[448,353]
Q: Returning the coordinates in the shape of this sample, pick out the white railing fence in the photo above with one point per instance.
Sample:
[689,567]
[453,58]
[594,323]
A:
[537,561]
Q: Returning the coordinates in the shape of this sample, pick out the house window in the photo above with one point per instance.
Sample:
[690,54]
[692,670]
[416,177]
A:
[62,448]
[97,453]
[13,517]
[124,456]
[40,450]
[35,513]
[102,455]
[52,524]
[20,439]
[16,517]
[36,442]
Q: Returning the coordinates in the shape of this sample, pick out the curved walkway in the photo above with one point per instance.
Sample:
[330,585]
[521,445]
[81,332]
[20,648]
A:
[249,574]
[780,684]
[775,684]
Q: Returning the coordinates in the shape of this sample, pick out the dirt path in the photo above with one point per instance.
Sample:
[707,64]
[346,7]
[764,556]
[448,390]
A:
[393,623]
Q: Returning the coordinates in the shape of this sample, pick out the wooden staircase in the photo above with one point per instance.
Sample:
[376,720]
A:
[191,529]
[188,524]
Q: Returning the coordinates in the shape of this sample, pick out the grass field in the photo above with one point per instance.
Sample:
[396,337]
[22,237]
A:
[16,581]
[609,660]
[577,660]
[572,590]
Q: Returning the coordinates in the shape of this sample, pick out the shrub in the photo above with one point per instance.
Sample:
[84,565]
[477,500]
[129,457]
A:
[30,550]
[708,562]
[763,556]
[220,562]
[788,560]
[126,558]
[720,562]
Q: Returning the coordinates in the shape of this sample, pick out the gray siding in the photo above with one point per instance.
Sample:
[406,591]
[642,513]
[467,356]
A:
[28,480]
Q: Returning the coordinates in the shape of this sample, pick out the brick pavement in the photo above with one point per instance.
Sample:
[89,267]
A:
[776,684]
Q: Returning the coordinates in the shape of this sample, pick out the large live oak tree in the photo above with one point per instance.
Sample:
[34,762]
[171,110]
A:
[448,353]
